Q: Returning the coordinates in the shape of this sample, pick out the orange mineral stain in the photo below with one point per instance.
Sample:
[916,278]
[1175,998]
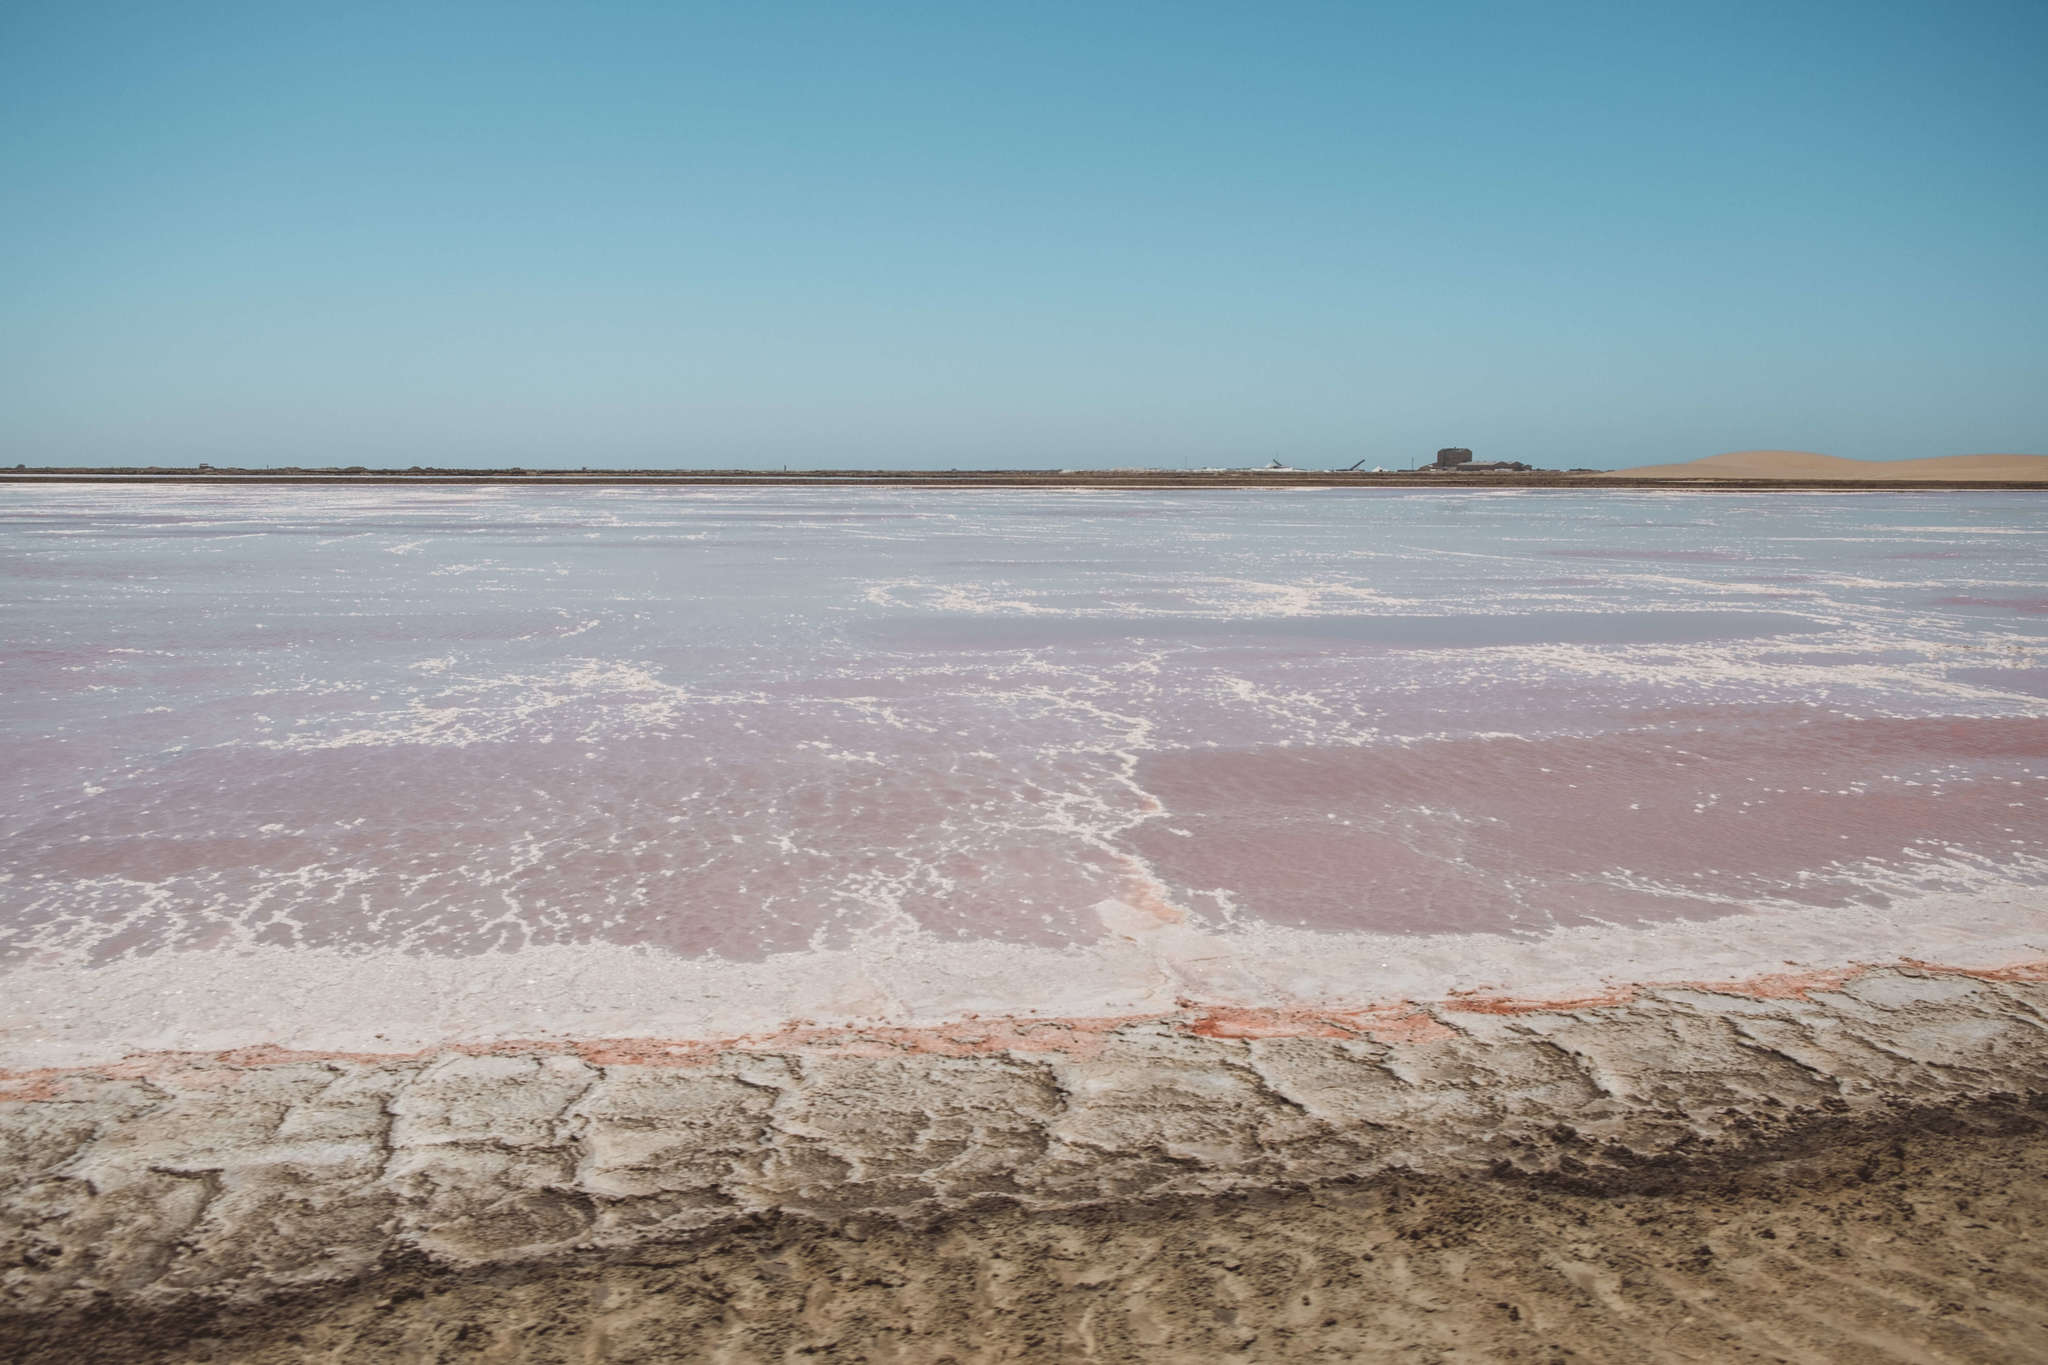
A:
[1784,985]
[1476,1003]
[1397,1023]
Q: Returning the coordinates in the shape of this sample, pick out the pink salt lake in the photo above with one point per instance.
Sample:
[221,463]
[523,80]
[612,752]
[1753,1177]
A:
[332,767]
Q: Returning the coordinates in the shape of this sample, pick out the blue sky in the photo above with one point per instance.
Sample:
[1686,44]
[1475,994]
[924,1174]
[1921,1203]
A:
[997,234]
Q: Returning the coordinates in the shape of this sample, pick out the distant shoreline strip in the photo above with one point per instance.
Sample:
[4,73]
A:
[1480,482]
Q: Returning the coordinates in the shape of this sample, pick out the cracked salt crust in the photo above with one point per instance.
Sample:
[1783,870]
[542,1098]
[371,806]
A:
[242,1174]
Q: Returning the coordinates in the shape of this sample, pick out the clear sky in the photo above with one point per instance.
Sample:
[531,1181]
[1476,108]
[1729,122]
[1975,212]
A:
[985,233]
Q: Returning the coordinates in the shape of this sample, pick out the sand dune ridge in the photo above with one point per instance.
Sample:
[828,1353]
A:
[1807,464]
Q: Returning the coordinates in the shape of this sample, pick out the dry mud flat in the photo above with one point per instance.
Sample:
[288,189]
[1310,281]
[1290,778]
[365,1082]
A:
[1847,1169]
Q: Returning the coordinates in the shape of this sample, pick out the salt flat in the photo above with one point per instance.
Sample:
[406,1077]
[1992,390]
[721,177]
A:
[379,770]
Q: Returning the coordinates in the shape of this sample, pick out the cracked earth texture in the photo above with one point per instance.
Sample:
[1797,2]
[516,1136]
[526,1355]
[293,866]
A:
[194,1189]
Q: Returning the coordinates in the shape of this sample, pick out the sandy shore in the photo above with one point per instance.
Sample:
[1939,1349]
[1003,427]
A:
[1856,1245]
[1834,1167]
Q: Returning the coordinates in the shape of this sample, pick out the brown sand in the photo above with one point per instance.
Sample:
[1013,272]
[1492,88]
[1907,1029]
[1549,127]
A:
[1913,1245]
[1804,464]
[1851,1167]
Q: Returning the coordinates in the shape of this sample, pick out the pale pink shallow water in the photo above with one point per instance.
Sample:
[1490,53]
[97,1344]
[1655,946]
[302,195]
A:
[895,754]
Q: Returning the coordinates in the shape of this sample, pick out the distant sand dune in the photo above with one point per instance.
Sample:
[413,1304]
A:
[1804,464]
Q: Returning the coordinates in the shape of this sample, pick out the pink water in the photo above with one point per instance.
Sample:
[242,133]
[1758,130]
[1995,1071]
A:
[758,726]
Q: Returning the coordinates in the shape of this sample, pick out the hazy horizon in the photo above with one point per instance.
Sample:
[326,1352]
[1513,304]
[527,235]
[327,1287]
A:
[915,236]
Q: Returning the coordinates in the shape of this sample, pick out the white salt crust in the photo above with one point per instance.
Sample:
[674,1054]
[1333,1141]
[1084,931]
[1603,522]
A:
[382,1002]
